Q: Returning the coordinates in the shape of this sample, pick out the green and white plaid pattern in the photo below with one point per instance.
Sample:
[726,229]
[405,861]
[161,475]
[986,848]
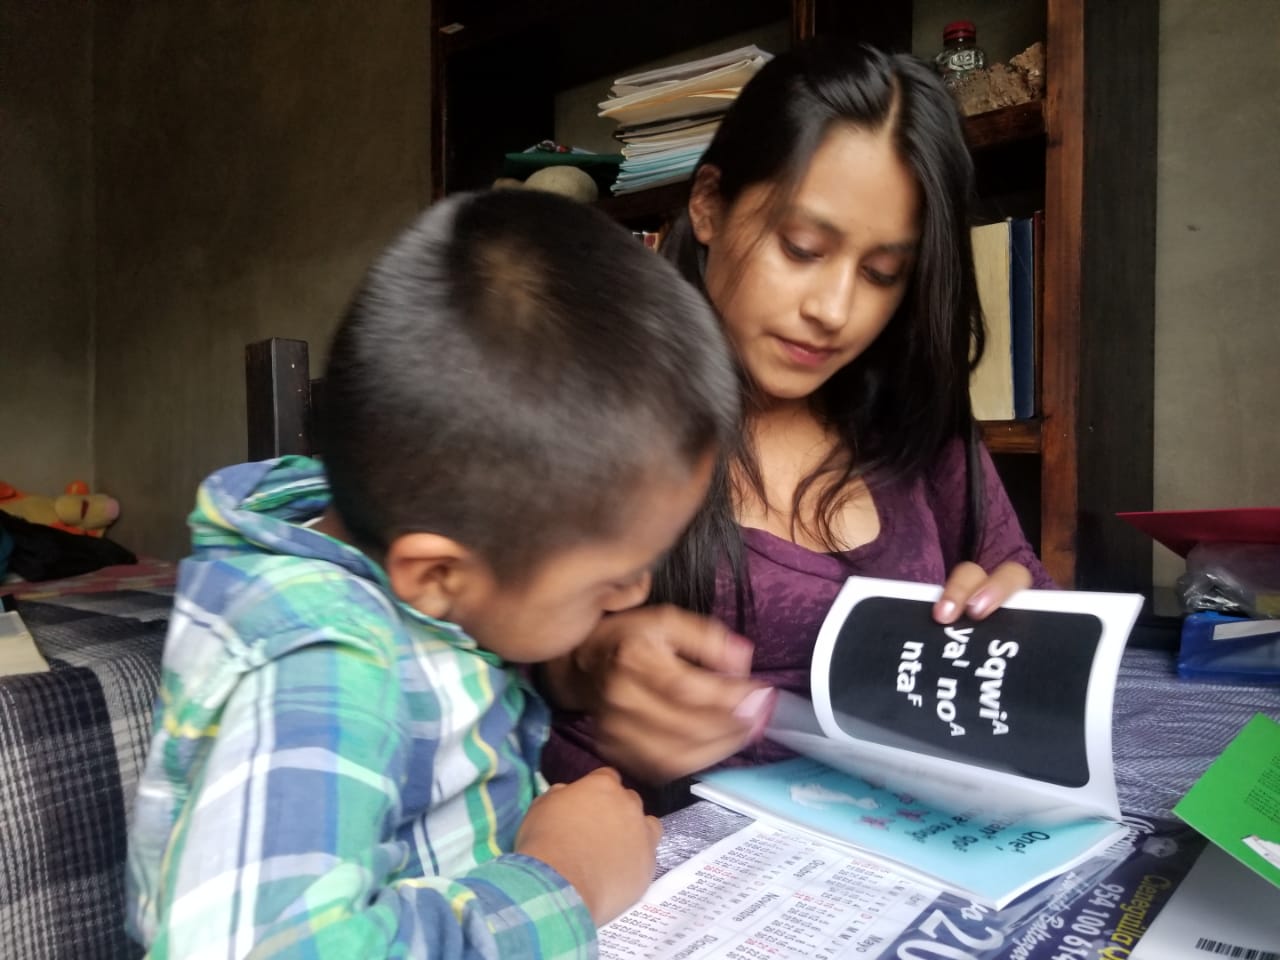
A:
[332,774]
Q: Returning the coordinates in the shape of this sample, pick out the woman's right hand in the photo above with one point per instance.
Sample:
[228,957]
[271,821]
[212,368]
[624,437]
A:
[670,691]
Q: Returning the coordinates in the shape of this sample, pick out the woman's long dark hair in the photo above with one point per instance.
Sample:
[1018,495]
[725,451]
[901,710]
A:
[896,405]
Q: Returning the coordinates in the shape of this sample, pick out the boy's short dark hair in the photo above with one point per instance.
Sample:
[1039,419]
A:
[512,368]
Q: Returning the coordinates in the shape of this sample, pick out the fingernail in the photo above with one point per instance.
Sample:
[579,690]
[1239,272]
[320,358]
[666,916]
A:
[763,718]
[741,652]
[756,705]
[979,604]
[947,611]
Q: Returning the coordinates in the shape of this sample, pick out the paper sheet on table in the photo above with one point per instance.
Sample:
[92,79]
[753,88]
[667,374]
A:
[1222,908]
[18,653]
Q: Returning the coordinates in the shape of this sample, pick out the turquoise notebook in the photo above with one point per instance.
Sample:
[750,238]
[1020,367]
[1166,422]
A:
[989,860]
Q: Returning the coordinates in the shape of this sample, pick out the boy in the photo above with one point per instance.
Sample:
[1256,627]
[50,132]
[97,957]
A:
[521,412]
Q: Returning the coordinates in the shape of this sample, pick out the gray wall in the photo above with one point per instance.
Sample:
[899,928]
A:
[1218,259]
[250,160]
[46,244]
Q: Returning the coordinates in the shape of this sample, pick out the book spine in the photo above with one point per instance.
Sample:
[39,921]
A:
[1022,309]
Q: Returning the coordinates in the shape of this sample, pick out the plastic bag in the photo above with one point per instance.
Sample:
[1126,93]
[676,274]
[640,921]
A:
[1235,579]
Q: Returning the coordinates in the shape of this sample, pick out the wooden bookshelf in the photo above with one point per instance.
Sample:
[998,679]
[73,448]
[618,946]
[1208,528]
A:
[1012,436]
[654,203]
[1085,155]
[1022,121]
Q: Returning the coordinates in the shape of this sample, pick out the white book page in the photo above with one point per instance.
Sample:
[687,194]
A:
[984,729]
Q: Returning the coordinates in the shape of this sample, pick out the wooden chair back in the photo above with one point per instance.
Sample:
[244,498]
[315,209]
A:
[281,399]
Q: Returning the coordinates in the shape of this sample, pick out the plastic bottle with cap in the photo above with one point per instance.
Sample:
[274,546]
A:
[960,52]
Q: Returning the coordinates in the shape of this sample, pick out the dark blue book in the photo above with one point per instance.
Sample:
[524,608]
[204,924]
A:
[1022,314]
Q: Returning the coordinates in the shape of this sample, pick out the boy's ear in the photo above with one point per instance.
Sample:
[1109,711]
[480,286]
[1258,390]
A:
[432,573]
[706,206]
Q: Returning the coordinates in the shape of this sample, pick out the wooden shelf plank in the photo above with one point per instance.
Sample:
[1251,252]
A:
[655,202]
[1011,436]
[1022,121]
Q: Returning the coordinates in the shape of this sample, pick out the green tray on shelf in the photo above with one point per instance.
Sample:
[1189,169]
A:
[603,167]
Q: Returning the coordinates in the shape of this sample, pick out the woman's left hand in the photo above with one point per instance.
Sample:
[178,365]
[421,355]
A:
[972,591]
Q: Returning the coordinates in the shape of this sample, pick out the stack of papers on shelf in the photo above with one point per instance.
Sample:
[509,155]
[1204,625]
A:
[667,117]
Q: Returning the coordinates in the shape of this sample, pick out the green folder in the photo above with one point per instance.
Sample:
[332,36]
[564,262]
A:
[1236,802]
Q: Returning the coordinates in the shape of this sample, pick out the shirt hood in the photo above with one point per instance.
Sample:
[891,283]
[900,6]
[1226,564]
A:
[262,506]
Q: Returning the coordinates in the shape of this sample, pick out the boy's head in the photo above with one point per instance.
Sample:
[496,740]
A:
[522,401]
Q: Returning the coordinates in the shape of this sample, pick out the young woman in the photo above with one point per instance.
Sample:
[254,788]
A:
[828,225]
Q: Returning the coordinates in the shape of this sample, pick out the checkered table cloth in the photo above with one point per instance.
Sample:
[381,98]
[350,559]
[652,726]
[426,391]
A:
[72,744]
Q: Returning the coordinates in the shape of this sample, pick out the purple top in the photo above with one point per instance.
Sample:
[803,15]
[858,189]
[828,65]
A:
[921,531]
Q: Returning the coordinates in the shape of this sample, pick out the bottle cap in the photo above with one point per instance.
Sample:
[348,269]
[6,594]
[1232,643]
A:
[958,29]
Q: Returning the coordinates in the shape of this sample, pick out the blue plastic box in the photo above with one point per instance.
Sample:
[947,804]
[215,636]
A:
[1229,649]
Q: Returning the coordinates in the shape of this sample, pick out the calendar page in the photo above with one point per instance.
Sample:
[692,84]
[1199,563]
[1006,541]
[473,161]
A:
[762,894]
[770,894]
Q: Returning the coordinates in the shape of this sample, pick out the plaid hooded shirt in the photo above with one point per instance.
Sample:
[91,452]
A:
[332,774]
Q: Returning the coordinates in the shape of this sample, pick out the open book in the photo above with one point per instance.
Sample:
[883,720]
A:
[975,756]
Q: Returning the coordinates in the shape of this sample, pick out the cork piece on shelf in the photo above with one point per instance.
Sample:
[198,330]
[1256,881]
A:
[1002,84]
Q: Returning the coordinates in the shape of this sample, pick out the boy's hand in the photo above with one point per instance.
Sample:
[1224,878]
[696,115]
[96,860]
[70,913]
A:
[670,691]
[595,834]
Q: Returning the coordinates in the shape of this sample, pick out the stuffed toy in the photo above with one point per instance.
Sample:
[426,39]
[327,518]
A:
[76,511]
[27,506]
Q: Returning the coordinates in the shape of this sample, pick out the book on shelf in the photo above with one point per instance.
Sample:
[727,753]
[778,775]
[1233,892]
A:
[650,96]
[668,132]
[991,383]
[650,238]
[975,757]
[1006,259]
[689,69]
[667,116]
[1023,284]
